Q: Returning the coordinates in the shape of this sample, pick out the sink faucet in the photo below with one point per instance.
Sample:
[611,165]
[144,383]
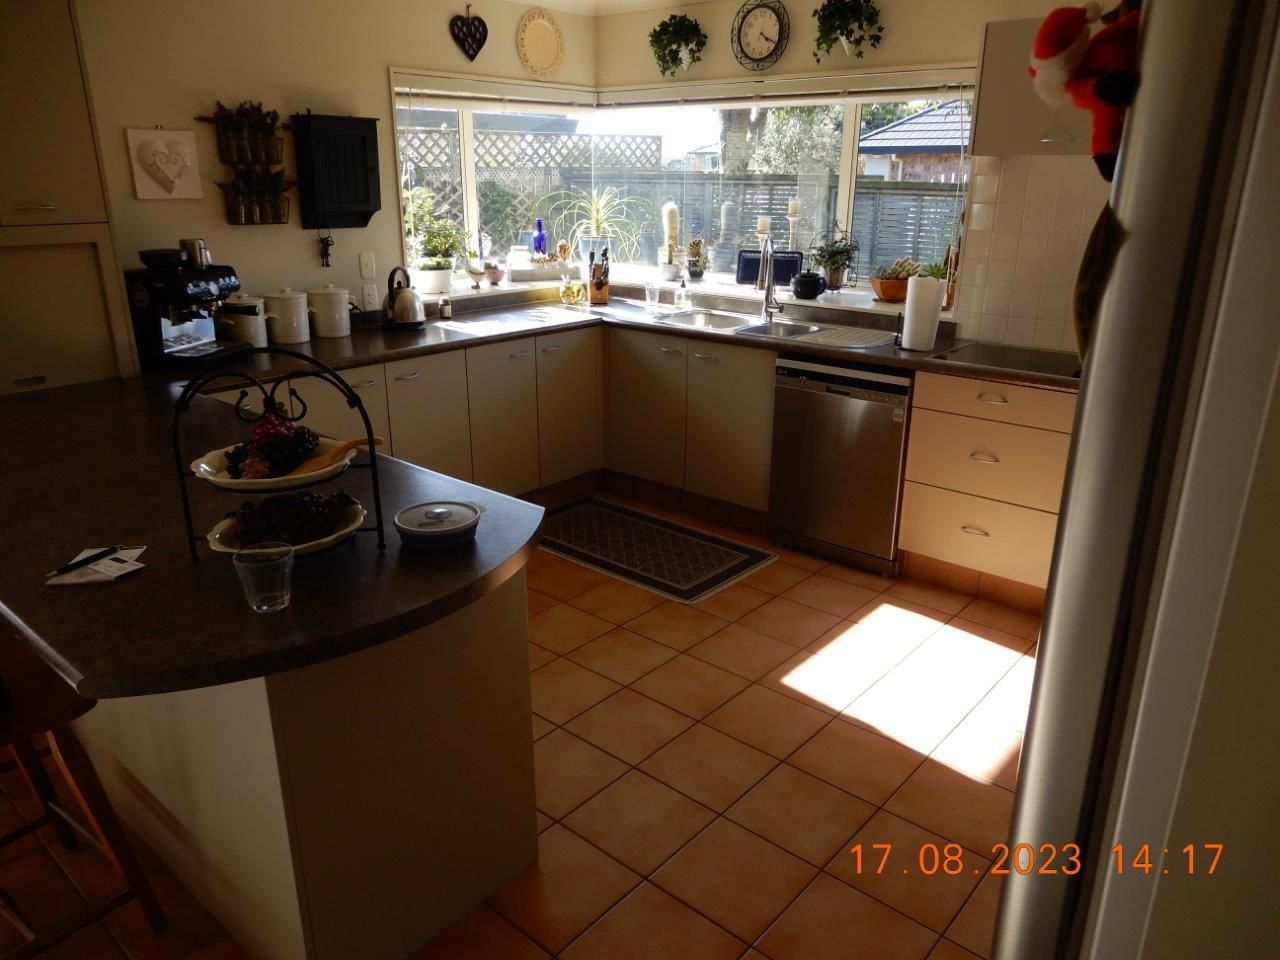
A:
[765,281]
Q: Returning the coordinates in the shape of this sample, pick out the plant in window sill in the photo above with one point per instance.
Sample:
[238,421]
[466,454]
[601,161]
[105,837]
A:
[851,23]
[676,42]
[440,240]
[835,253]
[594,219]
[697,258]
[940,271]
[890,283]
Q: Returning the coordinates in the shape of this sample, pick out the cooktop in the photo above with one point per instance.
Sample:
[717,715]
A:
[1005,357]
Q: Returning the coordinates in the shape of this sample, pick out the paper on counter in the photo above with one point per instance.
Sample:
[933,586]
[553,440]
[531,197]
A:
[104,571]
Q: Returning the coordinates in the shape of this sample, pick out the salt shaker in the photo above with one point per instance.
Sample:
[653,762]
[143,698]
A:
[446,308]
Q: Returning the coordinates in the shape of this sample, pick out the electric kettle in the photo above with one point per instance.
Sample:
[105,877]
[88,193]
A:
[402,309]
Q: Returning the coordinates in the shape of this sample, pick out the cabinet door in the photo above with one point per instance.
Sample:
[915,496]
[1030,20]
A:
[502,387]
[49,167]
[645,408]
[328,414]
[1010,118]
[730,423]
[569,416]
[427,400]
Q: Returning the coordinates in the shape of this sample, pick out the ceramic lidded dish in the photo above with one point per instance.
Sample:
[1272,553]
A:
[438,524]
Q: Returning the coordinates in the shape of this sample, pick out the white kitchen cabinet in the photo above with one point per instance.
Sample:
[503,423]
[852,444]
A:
[327,412]
[645,405]
[1009,117]
[502,391]
[570,426]
[49,167]
[729,422]
[1029,406]
[427,402]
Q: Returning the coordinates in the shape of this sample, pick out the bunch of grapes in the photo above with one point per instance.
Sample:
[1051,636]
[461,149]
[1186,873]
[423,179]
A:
[275,446]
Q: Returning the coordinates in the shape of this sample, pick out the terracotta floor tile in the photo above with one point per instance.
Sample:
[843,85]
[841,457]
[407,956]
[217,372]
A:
[538,602]
[930,898]
[543,820]
[562,690]
[742,651]
[565,579]
[616,601]
[975,927]
[570,886]
[629,726]
[767,720]
[863,578]
[858,761]
[568,771]
[706,765]
[1017,622]
[190,924]
[982,746]
[650,924]
[639,821]
[733,601]
[621,655]
[94,943]
[541,727]
[734,878]
[776,577]
[677,625]
[946,950]
[801,814]
[931,595]
[539,657]
[223,948]
[480,935]
[94,875]
[830,595]
[563,628]
[541,558]
[11,819]
[831,921]
[787,620]
[690,685]
[973,812]
[41,890]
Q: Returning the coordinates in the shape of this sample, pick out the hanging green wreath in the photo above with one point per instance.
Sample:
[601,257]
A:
[677,41]
[851,23]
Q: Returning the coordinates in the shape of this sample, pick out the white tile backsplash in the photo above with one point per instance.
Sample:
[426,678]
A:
[1027,224]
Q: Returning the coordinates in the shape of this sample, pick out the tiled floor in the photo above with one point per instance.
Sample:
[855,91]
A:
[703,771]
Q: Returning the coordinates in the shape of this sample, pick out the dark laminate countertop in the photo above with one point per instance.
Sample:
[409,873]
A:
[91,465]
[372,344]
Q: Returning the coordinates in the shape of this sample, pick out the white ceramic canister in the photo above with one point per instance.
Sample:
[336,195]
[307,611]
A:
[243,319]
[287,318]
[330,311]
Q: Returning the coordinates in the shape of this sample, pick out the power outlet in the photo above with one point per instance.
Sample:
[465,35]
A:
[367,267]
[369,295]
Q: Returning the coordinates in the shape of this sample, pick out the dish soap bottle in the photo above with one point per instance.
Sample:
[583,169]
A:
[539,237]
[681,297]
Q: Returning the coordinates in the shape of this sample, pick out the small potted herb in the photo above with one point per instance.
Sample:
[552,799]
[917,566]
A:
[246,133]
[676,42]
[835,255]
[851,23]
[441,240]
[890,283]
[696,258]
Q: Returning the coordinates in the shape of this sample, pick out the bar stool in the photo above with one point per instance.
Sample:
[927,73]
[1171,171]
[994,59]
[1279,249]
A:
[41,702]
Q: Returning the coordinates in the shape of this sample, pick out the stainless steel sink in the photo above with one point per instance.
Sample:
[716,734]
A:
[782,329]
[705,319]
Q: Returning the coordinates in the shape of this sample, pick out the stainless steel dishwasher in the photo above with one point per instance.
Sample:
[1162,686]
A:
[839,444]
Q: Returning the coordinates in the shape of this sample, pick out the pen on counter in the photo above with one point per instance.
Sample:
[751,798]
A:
[84,561]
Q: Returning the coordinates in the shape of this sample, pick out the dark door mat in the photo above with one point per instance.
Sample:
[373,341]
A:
[663,556]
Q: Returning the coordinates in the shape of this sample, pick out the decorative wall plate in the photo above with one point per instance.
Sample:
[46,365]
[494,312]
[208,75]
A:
[540,44]
[469,33]
[163,163]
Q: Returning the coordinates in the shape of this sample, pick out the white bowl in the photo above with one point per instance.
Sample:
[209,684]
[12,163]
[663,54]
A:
[222,540]
[212,469]
[438,524]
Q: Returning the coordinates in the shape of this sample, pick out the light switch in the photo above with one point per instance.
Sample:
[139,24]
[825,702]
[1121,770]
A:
[369,293]
[367,266]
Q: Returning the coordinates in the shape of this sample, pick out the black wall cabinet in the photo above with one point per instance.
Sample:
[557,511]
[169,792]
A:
[337,170]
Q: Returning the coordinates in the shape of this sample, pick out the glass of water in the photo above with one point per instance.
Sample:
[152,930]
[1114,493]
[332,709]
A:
[652,293]
[265,571]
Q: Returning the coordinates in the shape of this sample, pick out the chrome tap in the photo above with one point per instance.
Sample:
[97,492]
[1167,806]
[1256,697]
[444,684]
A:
[765,281]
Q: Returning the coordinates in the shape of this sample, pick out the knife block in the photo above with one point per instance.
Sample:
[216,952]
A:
[600,297]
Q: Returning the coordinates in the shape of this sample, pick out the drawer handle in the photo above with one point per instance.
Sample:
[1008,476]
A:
[519,354]
[364,383]
[979,457]
[551,349]
[974,531]
[668,349]
[704,356]
[35,205]
[411,375]
[992,398]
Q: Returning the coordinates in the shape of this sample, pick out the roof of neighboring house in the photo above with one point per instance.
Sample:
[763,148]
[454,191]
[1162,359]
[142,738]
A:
[940,129]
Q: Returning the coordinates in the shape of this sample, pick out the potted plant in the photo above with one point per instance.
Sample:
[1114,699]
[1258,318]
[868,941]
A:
[669,255]
[939,272]
[441,240]
[272,198]
[246,133]
[595,219]
[696,258]
[835,255]
[851,23]
[669,264]
[890,283]
[677,41]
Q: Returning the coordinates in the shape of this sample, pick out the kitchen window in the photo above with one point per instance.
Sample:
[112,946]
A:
[897,170]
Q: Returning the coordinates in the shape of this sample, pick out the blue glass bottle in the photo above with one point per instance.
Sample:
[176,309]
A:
[539,237]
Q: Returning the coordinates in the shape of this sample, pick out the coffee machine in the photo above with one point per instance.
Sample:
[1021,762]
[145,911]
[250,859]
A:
[172,298]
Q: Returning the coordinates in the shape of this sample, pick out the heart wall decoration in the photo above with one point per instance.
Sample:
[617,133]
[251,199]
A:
[164,164]
[469,33]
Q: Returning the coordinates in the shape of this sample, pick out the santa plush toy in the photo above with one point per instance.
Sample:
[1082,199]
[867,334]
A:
[1097,72]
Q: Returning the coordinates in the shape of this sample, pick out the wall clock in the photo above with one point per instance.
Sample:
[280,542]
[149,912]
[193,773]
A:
[540,43]
[760,32]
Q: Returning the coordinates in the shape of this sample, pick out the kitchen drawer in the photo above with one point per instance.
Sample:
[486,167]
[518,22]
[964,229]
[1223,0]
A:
[1029,406]
[1001,461]
[326,412]
[999,538]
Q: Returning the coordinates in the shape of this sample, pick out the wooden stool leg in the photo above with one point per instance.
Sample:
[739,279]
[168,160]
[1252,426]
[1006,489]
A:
[83,780]
[24,751]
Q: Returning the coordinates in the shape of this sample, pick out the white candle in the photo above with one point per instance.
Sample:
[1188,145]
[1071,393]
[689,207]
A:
[793,207]
[763,225]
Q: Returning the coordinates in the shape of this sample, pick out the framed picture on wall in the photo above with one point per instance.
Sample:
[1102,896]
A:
[164,164]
